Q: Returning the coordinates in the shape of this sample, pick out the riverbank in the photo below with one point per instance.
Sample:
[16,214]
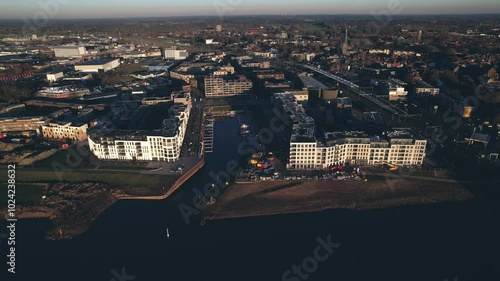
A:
[286,197]
[70,207]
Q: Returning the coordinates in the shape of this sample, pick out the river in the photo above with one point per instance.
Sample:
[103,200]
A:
[426,242]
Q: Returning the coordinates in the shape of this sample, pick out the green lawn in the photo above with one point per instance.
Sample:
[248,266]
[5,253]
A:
[114,178]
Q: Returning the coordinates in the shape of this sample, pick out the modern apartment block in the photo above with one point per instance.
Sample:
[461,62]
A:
[397,147]
[309,152]
[163,144]
[223,87]
[67,130]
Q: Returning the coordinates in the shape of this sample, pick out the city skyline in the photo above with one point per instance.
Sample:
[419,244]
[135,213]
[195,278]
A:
[68,9]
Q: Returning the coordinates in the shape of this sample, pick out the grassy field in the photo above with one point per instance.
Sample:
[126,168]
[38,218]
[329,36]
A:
[132,183]
[121,74]
[62,157]
[26,194]
[58,168]
[220,108]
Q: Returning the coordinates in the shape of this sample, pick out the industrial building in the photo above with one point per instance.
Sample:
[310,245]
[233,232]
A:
[69,51]
[174,54]
[98,65]
[22,124]
[66,92]
[53,77]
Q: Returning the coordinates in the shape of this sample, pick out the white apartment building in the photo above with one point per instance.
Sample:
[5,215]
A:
[308,153]
[163,145]
[397,147]
[221,87]
[67,130]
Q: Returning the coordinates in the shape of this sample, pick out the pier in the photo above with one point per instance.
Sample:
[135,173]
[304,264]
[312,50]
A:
[208,134]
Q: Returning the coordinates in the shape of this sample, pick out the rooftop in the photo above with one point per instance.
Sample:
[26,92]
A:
[97,62]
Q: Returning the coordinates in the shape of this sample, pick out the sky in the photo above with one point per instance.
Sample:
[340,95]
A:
[64,9]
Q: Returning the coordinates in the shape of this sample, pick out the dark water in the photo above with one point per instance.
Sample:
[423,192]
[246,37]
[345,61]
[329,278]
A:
[428,242]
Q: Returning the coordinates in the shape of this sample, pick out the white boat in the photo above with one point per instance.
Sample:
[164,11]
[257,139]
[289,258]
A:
[168,234]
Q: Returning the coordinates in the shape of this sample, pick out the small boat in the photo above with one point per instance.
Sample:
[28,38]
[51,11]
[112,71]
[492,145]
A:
[168,234]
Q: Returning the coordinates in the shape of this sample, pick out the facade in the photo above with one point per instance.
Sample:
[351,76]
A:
[22,124]
[69,51]
[423,89]
[395,91]
[53,77]
[181,76]
[309,153]
[301,96]
[222,87]
[98,65]
[269,74]
[159,145]
[174,54]
[397,148]
[66,130]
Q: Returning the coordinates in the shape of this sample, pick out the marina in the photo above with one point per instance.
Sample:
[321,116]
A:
[208,134]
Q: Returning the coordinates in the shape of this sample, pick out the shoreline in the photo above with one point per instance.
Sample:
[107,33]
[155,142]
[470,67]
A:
[89,200]
[252,199]
[285,197]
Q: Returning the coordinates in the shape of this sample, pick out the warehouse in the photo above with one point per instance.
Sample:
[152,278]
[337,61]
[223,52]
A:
[98,65]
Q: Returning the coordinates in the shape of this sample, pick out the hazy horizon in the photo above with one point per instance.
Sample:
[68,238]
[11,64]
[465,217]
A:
[92,9]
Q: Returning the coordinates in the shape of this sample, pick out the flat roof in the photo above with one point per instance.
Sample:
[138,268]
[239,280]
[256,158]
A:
[97,62]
